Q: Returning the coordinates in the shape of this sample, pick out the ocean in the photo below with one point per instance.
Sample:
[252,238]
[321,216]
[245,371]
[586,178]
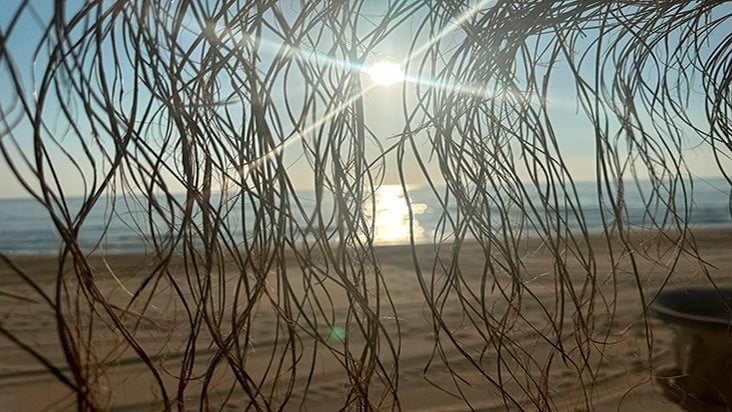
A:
[26,228]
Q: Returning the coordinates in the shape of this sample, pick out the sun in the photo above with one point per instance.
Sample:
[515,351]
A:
[385,73]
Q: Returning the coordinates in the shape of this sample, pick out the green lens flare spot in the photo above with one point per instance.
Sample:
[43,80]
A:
[338,333]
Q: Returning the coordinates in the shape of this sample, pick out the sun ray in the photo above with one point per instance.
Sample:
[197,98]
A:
[449,28]
[389,77]
[244,170]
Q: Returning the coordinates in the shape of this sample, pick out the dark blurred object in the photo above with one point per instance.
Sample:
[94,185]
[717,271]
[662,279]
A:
[701,320]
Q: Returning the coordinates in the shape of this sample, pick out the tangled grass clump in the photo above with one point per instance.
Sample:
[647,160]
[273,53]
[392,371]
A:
[232,102]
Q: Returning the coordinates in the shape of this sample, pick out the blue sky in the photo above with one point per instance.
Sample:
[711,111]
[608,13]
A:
[383,111]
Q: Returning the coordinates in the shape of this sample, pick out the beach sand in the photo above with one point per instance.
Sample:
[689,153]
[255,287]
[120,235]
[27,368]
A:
[437,371]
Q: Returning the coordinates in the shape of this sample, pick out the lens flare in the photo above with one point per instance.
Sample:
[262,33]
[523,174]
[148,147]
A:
[385,73]
[338,333]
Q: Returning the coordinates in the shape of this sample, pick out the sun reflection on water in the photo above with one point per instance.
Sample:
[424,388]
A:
[391,216]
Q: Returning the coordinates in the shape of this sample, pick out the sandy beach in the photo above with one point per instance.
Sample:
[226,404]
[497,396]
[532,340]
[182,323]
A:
[292,361]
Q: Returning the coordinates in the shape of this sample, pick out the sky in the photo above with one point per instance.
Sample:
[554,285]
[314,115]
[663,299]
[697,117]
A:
[383,110]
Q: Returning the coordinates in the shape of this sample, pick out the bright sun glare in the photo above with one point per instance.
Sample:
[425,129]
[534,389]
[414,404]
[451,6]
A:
[385,73]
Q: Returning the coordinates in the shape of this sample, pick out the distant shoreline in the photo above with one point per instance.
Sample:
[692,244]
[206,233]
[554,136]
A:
[704,234]
[25,227]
